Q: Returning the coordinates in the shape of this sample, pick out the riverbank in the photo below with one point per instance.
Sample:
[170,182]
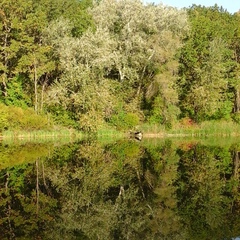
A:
[210,128]
[40,134]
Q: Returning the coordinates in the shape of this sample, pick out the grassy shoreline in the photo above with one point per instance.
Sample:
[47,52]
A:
[208,128]
[205,129]
[40,134]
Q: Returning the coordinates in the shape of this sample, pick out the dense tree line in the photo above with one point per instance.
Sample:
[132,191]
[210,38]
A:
[209,65]
[119,62]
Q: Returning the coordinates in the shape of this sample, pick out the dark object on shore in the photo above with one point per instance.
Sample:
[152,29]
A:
[137,135]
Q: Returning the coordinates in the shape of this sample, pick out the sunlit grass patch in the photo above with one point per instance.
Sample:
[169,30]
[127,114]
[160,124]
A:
[152,128]
[106,131]
[191,129]
[40,134]
[208,128]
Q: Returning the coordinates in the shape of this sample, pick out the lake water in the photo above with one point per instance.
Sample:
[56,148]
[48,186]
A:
[121,189]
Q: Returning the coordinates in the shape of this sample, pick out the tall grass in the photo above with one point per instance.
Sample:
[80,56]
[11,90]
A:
[209,128]
[153,128]
[109,132]
[205,129]
[41,134]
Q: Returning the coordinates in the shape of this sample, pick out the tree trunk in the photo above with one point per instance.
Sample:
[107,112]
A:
[9,209]
[35,87]
[237,101]
[5,58]
[37,188]
[4,85]
[42,92]
[236,165]
[143,73]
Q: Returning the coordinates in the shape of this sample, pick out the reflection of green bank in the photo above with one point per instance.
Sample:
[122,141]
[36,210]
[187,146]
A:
[11,155]
[121,189]
[207,141]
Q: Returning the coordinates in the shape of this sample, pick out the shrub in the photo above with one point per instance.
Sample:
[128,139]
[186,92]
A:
[4,123]
[187,122]
[123,120]
[16,95]
[16,118]
[34,122]
[63,116]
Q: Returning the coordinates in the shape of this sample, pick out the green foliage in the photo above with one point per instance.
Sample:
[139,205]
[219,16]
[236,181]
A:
[203,190]
[89,122]
[162,113]
[16,95]
[15,118]
[124,120]
[131,40]
[18,154]
[3,117]
[156,113]
[224,112]
[24,51]
[61,116]
[164,189]
[206,64]
[79,60]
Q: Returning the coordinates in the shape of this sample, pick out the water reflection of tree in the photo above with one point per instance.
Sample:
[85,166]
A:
[25,208]
[123,190]
[119,191]
[27,199]
[205,193]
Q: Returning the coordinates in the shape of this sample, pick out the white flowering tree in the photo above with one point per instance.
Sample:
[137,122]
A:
[128,55]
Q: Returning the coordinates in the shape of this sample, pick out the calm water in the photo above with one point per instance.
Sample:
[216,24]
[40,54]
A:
[123,189]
